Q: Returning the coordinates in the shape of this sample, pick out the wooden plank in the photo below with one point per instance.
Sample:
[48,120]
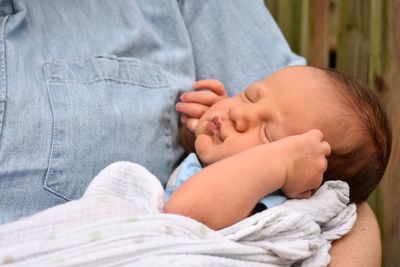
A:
[287,14]
[318,42]
[376,82]
[305,25]
[353,38]
[386,79]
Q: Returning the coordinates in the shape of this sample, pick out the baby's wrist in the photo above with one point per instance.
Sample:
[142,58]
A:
[285,155]
[280,162]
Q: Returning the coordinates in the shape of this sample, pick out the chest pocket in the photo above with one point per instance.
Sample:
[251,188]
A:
[106,109]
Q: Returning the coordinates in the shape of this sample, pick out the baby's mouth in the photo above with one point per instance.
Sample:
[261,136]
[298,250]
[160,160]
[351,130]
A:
[215,126]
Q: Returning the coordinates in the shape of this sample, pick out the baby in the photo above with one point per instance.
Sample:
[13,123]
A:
[291,131]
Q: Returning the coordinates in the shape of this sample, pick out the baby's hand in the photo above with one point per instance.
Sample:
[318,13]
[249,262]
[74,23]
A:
[306,163]
[195,104]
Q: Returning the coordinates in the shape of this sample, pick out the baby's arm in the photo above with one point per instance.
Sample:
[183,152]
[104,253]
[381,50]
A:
[225,192]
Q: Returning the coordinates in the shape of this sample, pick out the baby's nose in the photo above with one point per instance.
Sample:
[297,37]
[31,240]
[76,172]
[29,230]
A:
[241,117]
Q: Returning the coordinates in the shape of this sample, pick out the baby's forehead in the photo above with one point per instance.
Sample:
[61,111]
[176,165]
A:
[300,71]
[302,78]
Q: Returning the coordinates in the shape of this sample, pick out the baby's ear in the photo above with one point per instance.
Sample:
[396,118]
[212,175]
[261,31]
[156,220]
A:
[186,139]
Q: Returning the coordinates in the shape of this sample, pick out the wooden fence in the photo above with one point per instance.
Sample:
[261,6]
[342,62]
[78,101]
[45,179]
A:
[362,38]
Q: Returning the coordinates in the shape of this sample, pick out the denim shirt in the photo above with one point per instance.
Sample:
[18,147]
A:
[87,83]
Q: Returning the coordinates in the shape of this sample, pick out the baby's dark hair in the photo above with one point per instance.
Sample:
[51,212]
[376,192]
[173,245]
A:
[364,165]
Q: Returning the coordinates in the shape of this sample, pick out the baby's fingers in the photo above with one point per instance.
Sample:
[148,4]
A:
[193,110]
[207,98]
[326,147]
[191,124]
[317,135]
[214,85]
[305,194]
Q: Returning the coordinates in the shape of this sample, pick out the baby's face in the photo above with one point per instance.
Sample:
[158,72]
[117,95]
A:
[290,101]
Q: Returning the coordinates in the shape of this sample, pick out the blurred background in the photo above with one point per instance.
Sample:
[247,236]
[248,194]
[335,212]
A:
[362,38]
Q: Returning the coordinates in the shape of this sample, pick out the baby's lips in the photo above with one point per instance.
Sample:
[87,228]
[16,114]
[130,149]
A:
[214,126]
[217,121]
